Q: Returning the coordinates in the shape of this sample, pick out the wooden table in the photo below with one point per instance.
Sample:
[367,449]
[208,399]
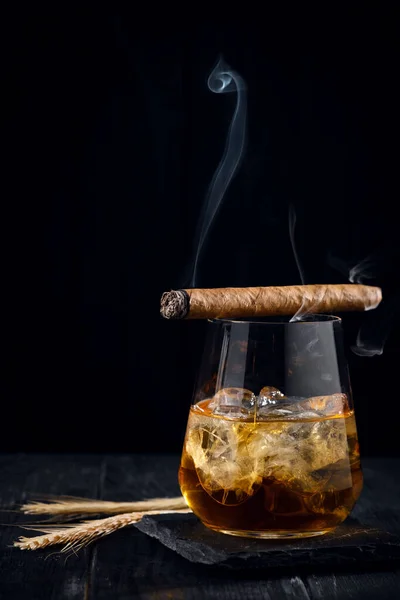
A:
[129,564]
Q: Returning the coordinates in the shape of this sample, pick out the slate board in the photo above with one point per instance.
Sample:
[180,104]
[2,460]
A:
[351,543]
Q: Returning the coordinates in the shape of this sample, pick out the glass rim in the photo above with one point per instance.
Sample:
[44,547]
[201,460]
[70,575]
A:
[309,318]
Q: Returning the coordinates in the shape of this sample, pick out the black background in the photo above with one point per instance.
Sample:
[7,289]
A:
[112,138]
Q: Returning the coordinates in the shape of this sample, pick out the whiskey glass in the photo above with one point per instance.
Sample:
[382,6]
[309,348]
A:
[271,447]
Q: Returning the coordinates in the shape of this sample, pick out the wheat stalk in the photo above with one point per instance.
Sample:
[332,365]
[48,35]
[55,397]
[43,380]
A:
[68,506]
[75,537]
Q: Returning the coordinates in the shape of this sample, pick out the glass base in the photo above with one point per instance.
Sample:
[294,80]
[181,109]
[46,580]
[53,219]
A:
[272,535]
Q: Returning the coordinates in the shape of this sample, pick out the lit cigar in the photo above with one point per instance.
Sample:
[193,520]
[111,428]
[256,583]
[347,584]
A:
[268,301]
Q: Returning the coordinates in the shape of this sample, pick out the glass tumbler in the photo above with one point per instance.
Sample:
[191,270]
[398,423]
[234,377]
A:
[271,446]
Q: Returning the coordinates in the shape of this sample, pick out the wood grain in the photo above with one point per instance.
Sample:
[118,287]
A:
[26,576]
[130,565]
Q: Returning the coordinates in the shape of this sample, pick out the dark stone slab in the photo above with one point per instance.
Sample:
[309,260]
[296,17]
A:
[350,544]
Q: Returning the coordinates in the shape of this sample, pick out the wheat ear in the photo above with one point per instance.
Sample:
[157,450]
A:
[75,537]
[82,506]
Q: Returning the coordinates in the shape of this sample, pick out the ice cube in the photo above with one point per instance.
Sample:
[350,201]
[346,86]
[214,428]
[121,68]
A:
[269,396]
[218,448]
[305,408]
[299,453]
[291,444]
[276,449]
[274,404]
[233,402]
[335,404]
[326,443]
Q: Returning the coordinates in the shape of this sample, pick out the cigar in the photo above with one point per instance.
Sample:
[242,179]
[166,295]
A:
[268,301]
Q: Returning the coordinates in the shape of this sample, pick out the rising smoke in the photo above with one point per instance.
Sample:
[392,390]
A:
[375,329]
[374,332]
[306,307]
[362,272]
[223,79]
[376,326]
[292,227]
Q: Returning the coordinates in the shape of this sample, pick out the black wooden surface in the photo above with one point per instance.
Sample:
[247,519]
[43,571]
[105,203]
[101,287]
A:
[129,564]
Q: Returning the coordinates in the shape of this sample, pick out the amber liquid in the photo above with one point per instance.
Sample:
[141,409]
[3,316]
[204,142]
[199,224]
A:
[271,478]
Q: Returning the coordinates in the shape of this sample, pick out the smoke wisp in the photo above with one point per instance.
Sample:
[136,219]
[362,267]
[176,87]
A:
[223,79]
[292,228]
[376,326]
[304,309]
